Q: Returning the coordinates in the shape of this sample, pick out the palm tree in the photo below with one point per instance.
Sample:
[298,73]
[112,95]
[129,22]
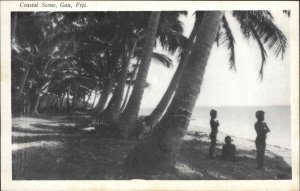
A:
[169,35]
[133,38]
[35,53]
[110,28]
[130,83]
[157,113]
[127,119]
[161,148]
[109,80]
[256,24]
[114,105]
[259,25]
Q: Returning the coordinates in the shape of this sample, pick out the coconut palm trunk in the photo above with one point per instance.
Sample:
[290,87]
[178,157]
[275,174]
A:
[24,78]
[87,101]
[62,100]
[159,110]
[108,86]
[114,106]
[56,102]
[34,101]
[75,96]
[128,117]
[96,94]
[129,86]
[68,105]
[162,147]
[104,95]
[36,104]
[38,94]
[22,84]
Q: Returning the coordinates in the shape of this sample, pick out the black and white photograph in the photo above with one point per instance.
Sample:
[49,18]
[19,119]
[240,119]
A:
[183,94]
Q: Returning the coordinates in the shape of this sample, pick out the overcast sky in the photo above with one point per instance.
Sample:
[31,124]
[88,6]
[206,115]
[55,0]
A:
[222,87]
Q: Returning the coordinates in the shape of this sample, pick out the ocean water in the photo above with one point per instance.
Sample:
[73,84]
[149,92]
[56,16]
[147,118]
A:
[239,122]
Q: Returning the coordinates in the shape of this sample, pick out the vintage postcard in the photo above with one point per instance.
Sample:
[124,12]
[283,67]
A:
[149,95]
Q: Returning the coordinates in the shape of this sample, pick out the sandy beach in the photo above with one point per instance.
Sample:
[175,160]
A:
[61,149]
[244,144]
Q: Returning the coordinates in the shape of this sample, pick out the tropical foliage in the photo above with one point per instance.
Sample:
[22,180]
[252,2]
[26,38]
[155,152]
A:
[97,62]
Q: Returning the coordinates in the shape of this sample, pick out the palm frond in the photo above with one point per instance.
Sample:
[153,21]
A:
[267,31]
[228,41]
[162,59]
[156,57]
[171,40]
[170,31]
[241,17]
[272,36]
[262,51]
[219,34]
[74,31]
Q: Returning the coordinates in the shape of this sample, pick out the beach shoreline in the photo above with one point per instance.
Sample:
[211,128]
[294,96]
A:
[58,149]
[242,144]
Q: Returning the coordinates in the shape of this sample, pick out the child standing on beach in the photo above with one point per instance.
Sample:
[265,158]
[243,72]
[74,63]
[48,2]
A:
[261,129]
[214,124]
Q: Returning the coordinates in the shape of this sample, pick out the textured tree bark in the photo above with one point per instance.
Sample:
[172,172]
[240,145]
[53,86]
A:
[34,99]
[159,110]
[109,81]
[104,95]
[68,105]
[74,99]
[87,101]
[35,110]
[96,94]
[161,148]
[37,95]
[129,87]
[22,84]
[62,101]
[114,106]
[128,117]
[56,102]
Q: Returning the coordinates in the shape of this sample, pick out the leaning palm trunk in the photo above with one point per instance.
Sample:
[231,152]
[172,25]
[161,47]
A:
[128,117]
[116,100]
[114,106]
[38,95]
[75,96]
[162,147]
[129,86]
[159,110]
[23,80]
[87,101]
[34,101]
[104,95]
[35,110]
[96,94]
[108,82]
[62,101]
[56,102]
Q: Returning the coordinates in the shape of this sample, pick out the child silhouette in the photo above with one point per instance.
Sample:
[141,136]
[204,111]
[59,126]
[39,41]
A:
[228,149]
[214,124]
[261,129]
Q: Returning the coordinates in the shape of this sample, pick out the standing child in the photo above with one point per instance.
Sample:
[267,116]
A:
[261,129]
[214,124]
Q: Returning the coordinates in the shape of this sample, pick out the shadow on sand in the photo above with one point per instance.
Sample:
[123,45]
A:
[59,149]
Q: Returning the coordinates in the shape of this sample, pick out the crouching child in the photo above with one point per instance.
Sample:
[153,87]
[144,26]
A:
[229,150]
